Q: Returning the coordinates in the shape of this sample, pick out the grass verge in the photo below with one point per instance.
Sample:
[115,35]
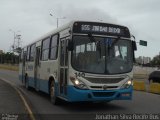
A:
[9,67]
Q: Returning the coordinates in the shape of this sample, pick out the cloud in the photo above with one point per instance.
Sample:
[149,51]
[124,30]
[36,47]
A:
[32,18]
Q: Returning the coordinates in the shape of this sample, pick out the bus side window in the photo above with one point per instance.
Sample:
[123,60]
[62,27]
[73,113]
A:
[54,47]
[28,53]
[21,56]
[62,53]
[32,52]
[45,49]
[66,52]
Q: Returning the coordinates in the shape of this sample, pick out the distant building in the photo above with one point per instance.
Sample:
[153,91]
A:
[139,60]
[143,60]
[1,51]
[146,60]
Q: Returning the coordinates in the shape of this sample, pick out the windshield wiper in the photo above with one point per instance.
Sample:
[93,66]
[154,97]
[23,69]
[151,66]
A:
[91,37]
[114,42]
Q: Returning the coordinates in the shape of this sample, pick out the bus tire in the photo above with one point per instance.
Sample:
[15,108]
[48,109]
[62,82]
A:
[54,99]
[26,82]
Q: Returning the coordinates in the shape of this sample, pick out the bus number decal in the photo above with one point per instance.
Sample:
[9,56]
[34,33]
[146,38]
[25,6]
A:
[80,74]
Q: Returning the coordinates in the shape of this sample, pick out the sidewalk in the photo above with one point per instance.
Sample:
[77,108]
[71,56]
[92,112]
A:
[11,105]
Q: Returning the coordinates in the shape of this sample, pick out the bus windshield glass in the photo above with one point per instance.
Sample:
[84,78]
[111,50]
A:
[103,55]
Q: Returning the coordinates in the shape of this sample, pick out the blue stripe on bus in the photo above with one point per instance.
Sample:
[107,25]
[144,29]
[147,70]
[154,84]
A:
[75,95]
[43,84]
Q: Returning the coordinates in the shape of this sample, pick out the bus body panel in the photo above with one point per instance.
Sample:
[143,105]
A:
[51,68]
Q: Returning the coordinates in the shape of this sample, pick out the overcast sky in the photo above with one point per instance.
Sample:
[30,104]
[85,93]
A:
[31,18]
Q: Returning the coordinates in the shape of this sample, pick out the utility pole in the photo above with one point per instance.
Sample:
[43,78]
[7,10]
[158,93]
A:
[16,41]
[14,37]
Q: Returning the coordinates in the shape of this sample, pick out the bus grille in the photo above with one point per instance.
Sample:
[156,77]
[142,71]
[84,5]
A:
[104,80]
[103,94]
[101,87]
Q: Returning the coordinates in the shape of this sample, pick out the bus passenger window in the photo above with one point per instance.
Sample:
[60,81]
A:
[54,44]
[66,53]
[62,53]
[21,56]
[45,49]
[28,53]
[32,52]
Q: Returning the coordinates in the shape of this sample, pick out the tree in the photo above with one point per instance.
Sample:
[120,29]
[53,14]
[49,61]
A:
[155,61]
[9,58]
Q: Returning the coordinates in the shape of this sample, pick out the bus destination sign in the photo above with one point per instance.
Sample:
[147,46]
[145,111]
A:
[94,28]
[101,28]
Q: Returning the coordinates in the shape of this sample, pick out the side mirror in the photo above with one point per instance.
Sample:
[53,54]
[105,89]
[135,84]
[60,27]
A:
[134,45]
[70,45]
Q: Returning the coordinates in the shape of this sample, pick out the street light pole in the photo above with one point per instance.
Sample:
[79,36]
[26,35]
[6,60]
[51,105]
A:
[57,19]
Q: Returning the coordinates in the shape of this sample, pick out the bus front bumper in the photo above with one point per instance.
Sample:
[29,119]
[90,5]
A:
[77,95]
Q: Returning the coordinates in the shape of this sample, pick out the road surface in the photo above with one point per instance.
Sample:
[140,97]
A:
[142,103]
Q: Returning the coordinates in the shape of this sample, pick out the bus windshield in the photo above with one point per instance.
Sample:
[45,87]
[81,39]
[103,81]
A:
[102,55]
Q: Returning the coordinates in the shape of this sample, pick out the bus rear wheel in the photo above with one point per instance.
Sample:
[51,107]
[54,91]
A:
[53,97]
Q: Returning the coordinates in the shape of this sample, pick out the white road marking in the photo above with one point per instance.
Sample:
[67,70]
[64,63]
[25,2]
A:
[22,98]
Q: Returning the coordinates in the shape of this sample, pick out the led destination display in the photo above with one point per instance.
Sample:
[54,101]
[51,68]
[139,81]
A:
[101,28]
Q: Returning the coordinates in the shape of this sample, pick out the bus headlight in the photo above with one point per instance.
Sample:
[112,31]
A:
[127,84]
[78,83]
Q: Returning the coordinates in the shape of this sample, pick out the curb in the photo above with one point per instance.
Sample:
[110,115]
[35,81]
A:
[154,88]
[141,86]
[31,115]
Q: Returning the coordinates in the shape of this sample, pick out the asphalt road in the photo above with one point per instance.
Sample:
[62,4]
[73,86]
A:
[142,103]
[11,105]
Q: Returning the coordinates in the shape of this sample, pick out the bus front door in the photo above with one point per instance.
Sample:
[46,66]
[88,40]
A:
[63,67]
[37,65]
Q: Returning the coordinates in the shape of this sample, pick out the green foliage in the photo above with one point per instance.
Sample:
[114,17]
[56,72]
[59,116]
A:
[9,57]
[155,61]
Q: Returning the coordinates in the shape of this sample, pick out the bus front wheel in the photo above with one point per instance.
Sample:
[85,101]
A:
[53,97]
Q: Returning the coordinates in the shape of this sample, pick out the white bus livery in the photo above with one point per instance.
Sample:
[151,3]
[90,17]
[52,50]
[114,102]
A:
[81,61]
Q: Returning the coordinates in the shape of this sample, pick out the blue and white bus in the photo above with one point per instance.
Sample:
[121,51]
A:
[81,61]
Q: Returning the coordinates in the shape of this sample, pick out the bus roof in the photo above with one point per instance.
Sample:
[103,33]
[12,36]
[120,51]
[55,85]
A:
[63,27]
